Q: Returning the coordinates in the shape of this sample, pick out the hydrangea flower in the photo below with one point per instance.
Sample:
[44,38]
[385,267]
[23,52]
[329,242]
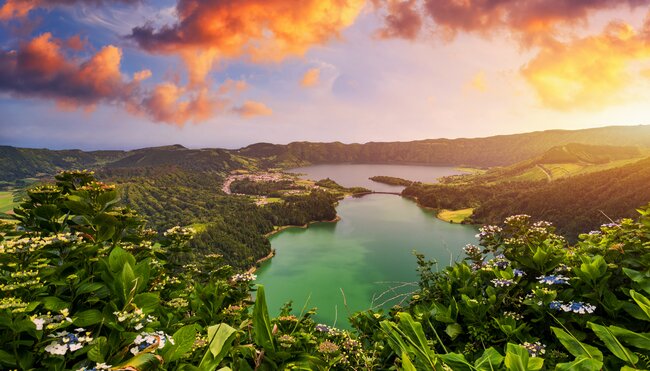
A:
[578,307]
[518,272]
[243,277]
[97,367]
[553,279]
[327,347]
[502,282]
[322,328]
[535,349]
[153,340]
[66,341]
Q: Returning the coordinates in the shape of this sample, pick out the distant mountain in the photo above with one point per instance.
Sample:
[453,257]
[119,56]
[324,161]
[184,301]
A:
[19,163]
[501,150]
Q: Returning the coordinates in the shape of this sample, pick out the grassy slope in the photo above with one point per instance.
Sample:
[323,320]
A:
[6,201]
[455,216]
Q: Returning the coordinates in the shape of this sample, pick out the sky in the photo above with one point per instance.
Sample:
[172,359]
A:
[123,74]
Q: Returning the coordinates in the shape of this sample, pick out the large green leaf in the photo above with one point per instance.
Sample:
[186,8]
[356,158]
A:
[456,361]
[635,339]
[518,359]
[183,341]
[581,364]
[261,322]
[612,343]
[643,302]
[575,347]
[407,365]
[141,362]
[220,338]
[490,360]
[87,318]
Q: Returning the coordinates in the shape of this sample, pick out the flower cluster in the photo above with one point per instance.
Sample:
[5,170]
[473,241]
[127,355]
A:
[151,341]
[513,315]
[535,349]
[518,272]
[517,219]
[243,277]
[562,268]
[327,347]
[178,231]
[502,282]
[49,321]
[16,305]
[488,231]
[573,307]
[553,280]
[66,341]
[322,328]
[177,303]
[472,251]
[135,318]
[286,341]
[97,367]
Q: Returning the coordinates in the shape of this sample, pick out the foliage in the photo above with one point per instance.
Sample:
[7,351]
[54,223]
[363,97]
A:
[526,300]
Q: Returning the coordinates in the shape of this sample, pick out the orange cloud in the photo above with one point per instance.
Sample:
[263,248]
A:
[142,75]
[252,109]
[589,72]
[167,103]
[39,68]
[533,21]
[261,30]
[403,20]
[311,78]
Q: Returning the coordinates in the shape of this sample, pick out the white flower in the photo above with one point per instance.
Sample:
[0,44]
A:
[56,348]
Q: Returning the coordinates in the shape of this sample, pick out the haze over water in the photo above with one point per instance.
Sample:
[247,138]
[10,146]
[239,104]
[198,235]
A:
[368,251]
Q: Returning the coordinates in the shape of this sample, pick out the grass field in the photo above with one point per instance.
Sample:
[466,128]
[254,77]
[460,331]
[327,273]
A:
[6,201]
[455,216]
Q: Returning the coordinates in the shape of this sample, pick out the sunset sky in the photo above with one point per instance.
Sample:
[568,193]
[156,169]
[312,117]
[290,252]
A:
[108,74]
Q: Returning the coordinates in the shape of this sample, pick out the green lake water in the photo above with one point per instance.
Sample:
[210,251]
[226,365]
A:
[364,254]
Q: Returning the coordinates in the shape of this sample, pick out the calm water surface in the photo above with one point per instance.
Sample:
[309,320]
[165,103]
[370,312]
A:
[370,250]
[357,175]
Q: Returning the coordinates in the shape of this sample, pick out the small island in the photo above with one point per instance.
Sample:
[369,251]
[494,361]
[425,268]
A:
[391,180]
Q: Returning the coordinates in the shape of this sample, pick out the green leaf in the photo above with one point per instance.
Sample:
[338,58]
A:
[635,339]
[183,341]
[490,360]
[612,343]
[148,301]
[456,361]
[220,338]
[54,304]
[453,330]
[127,283]
[87,318]
[575,347]
[143,361]
[640,278]
[261,323]
[407,365]
[97,352]
[580,364]
[7,359]
[89,287]
[643,302]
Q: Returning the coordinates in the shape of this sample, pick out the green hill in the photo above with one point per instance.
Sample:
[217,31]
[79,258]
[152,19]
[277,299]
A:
[501,150]
[564,161]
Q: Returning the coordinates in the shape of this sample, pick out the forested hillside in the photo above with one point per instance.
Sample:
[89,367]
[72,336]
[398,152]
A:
[478,152]
[575,204]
